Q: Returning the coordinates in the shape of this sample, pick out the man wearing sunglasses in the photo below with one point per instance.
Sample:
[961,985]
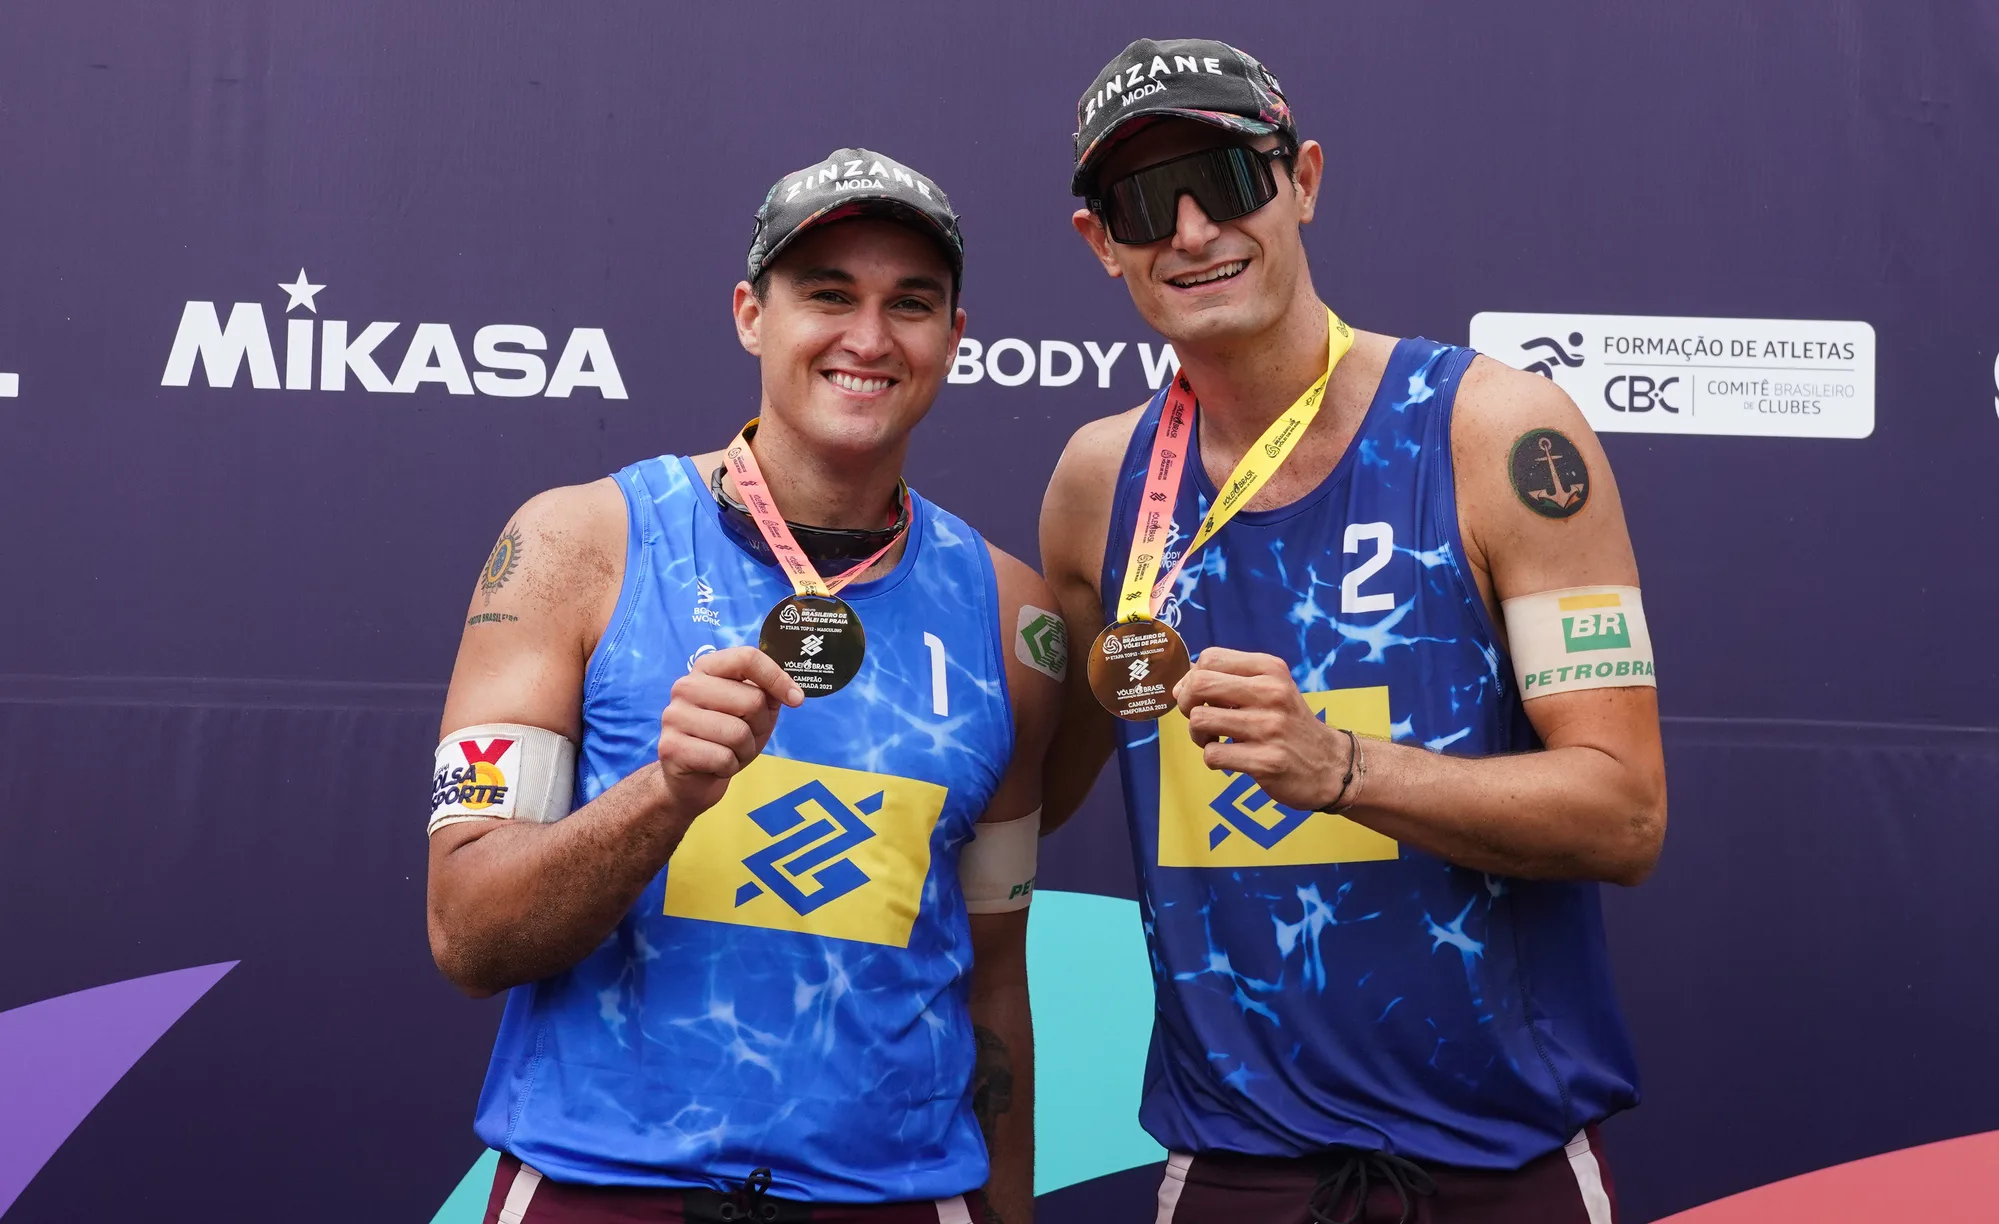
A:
[1418,726]
[817,1009]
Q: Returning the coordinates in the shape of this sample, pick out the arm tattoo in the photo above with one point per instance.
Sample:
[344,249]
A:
[490,618]
[501,565]
[992,1082]
[1548,474]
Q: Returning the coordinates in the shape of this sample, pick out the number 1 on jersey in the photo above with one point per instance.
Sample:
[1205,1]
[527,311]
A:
[940,695]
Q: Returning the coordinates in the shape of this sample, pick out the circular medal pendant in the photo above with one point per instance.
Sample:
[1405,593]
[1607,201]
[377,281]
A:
[1134,666]
[817,640]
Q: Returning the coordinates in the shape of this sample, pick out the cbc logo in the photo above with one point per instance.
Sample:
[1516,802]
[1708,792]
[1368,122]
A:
[1639,393]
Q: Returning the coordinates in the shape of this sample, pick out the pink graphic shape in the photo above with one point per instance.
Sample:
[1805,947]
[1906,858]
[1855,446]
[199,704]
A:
[59,1057]
[1952,1182]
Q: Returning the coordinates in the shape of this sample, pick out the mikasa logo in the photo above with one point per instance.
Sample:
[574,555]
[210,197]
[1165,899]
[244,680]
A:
[506,354]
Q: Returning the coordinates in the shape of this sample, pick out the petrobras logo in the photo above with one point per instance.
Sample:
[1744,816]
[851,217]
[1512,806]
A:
[815,849]
[478,786]
[1008,362]
[1794,378]
[1213,818]
[324,353]
[1604,630]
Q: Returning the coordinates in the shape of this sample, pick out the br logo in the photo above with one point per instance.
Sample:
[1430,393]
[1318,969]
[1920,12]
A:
[815,849]
[1254,830]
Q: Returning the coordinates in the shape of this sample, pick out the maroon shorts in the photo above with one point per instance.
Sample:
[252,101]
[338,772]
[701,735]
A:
[522,1196]
[1570,1186]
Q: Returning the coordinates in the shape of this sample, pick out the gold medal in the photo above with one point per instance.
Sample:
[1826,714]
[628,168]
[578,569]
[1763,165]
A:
[1134,665]
[1135,662]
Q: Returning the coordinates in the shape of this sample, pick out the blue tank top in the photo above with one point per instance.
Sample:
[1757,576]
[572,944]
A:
[1317,982]
[790,991]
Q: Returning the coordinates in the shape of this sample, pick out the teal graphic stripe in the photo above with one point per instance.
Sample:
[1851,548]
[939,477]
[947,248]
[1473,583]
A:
[467,1204]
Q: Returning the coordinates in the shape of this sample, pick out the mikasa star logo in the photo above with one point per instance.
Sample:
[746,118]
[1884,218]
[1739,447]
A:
[320,354]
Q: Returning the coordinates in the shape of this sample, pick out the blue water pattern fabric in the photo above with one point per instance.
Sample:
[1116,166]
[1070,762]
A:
[791,991]
[1318,983]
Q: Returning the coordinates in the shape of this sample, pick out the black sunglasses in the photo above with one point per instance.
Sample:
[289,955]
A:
[1227,182]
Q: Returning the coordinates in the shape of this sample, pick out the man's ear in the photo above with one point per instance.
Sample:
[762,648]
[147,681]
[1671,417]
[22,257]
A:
[957,330]
[749,318]
[1091,227]
[1308,172]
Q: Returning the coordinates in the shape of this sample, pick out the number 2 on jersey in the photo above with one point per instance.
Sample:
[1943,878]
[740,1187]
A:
[1351,600]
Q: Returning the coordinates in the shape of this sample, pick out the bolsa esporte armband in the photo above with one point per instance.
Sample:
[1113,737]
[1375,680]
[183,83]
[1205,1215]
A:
[997,867]
[503,771]
[1579,638]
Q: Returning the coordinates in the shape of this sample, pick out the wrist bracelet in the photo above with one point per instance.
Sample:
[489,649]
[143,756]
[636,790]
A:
[1346,783]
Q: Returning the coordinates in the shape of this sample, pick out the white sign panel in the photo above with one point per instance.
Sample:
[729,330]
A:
[1789,378]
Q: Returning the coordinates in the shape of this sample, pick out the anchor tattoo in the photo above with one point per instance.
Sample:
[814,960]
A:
[1563,496]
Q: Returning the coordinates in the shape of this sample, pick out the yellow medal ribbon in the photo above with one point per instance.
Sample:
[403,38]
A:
[1141,599]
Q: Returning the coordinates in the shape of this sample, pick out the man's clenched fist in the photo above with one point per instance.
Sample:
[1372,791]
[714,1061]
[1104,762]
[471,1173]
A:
[1245,712]
[721,716]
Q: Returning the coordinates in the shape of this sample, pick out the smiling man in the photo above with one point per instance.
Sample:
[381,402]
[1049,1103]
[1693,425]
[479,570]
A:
[769,965]
[1384,698]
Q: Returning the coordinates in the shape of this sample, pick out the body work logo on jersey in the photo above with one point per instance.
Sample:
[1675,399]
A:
[1212,818]
[479,787]
[810,848]
[321,354]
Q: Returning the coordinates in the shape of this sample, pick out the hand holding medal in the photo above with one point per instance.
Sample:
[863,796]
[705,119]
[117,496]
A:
[813,635]
[1136,660]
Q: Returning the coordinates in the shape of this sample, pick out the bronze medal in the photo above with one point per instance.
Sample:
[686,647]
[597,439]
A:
[817,640]
[1134,665]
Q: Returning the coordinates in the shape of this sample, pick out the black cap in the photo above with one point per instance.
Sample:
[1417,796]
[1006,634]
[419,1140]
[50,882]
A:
[1188,78]
[853,183]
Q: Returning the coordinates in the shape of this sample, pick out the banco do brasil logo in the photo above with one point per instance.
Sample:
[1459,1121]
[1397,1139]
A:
[1245,809]
[812,848]
[807,865]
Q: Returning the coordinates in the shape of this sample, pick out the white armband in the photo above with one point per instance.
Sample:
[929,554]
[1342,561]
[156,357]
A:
[1579,638]
[501,771]
[997,868]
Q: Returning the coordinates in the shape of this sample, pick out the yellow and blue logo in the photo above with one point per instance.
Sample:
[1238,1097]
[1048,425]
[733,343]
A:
[1214,818]
[810,848]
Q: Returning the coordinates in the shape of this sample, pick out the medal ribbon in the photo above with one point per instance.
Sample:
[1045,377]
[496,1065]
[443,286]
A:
[1139,599]
[750,486]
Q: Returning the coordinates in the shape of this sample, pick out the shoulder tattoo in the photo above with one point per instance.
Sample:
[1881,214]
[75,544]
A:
[1548,474]
[501,565]
[1041,641]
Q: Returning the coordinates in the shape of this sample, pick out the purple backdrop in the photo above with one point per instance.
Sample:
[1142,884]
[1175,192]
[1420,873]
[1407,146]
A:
[1808,974]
